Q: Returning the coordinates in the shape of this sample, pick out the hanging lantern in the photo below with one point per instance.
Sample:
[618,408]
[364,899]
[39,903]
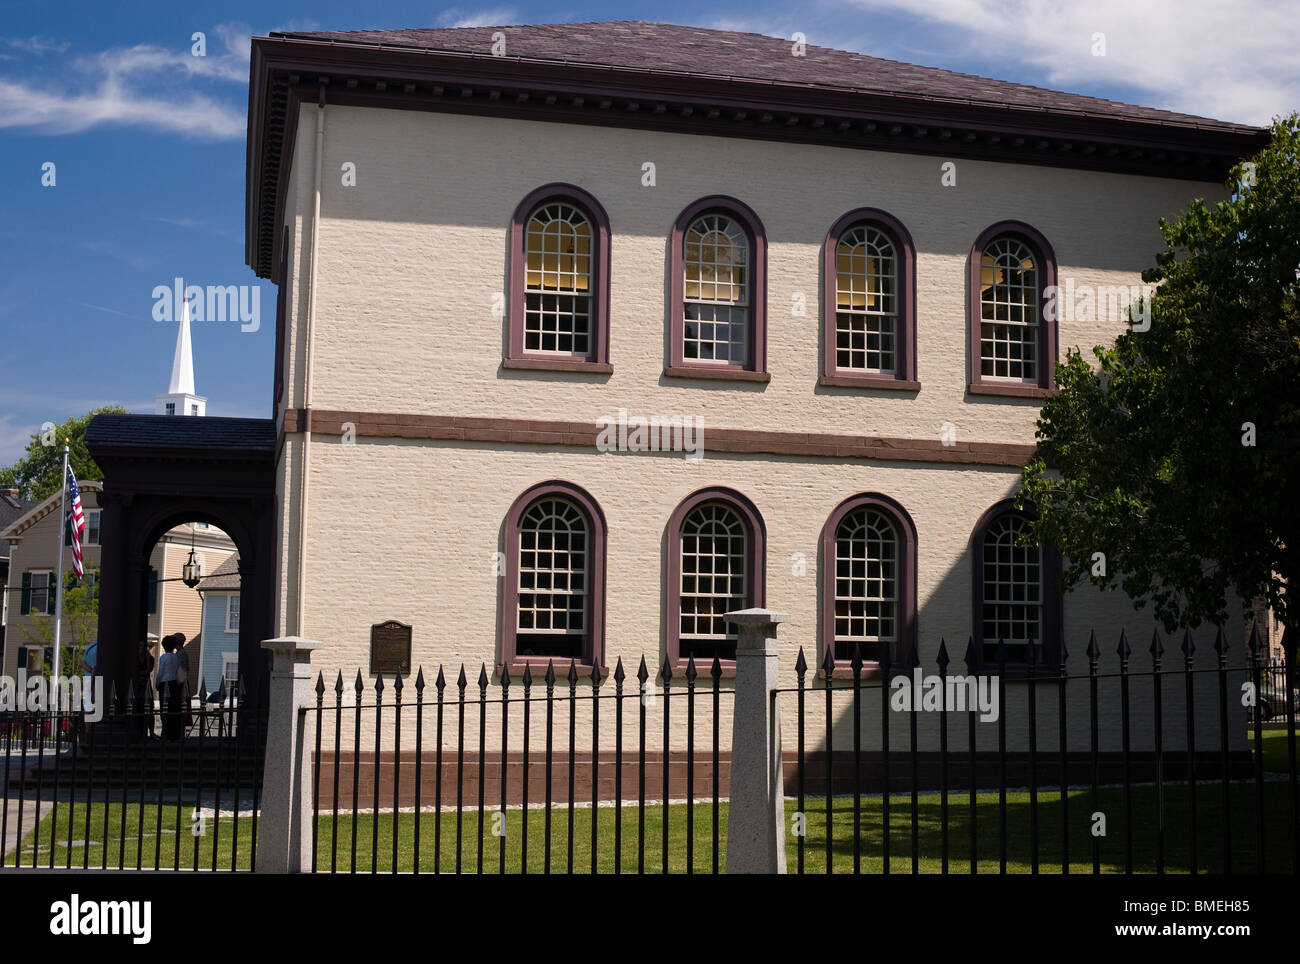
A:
[190,572]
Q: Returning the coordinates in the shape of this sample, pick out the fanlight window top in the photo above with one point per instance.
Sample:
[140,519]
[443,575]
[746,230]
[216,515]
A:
[716,260]
[865,271]
[558,248]
[1009,282]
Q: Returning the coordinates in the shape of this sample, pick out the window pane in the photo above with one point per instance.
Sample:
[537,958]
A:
[1009,311]
[1012,590]
[557,281]
[552,610]
[866,301]
[866,585]
[713,581]
[716,291]
[40,592]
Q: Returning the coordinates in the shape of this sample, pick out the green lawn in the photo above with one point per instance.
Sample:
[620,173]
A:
[1275,749]
[1277,822]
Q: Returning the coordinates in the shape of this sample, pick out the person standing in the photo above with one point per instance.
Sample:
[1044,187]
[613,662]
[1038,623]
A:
[169,687]
[143,704]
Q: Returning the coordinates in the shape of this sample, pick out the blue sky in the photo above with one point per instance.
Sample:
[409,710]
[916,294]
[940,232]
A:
[148,147]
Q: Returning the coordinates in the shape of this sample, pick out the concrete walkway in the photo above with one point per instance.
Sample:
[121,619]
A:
[15,833]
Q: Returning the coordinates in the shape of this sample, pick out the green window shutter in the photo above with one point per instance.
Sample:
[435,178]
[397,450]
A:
[51,592]
[67,530]
[153,590]
[26,595]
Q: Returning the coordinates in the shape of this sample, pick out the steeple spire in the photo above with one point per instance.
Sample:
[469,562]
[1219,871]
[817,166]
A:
[180,398]
[182,382]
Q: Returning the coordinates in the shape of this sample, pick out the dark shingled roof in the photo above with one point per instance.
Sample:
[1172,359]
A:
[183,431]
[224,577]
[11,510]
[668,48]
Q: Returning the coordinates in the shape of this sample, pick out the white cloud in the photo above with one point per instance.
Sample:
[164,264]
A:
[112,95]
[63,112]
[483,17]
[14,439]
[297,25]
[1234,62]
[118,253]
[36,45]
[111,311]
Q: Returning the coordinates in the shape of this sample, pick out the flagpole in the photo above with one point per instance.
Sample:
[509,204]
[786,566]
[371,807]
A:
[63,508]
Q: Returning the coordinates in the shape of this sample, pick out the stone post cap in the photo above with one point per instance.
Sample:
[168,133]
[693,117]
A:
[755,617]
[297,648]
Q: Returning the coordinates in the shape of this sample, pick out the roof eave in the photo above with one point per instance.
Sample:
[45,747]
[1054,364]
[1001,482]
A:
[371,73]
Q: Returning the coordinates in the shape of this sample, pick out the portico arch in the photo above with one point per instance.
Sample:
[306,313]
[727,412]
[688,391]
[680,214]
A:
[160,471]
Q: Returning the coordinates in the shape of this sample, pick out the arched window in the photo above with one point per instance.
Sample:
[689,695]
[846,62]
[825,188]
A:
[554,598]
[718,288]
[869,321]
[1012,341]
[716,565]
[1016,599]
[869,581]
[559,282]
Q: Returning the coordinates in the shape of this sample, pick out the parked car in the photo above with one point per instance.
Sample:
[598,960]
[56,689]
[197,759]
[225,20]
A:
[1272,700]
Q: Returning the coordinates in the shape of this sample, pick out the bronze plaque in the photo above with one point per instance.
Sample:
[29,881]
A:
[390,648]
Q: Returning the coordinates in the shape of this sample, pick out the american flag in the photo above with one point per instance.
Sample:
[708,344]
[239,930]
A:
[76,523]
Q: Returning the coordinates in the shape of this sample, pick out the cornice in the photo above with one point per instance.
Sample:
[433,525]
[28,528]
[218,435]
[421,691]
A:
[285,72]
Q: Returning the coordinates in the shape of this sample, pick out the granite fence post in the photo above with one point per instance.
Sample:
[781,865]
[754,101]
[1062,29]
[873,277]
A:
[284,828]
[756,816]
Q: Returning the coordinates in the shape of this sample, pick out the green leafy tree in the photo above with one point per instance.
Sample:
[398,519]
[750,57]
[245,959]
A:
[80,625]
[1172,470]
[36,474]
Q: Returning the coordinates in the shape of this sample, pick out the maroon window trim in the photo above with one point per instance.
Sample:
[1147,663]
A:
[907,581]
[904,377]
[1053,618]
[1047,330]
[597,360]
[755,367]
[593,648]
[755,562]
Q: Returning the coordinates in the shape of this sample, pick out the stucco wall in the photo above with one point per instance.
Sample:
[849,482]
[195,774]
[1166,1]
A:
[413,255]
[412,553]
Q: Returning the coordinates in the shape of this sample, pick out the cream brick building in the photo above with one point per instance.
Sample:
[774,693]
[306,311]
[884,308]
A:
[442,373]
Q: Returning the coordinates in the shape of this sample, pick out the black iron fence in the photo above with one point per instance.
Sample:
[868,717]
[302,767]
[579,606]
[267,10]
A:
[1153,763]
[1173,805]
[1163,761]
[134,784]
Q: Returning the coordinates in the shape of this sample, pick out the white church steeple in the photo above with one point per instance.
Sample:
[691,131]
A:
[180,398]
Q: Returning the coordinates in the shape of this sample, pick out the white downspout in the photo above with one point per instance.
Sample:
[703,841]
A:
[308,359]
